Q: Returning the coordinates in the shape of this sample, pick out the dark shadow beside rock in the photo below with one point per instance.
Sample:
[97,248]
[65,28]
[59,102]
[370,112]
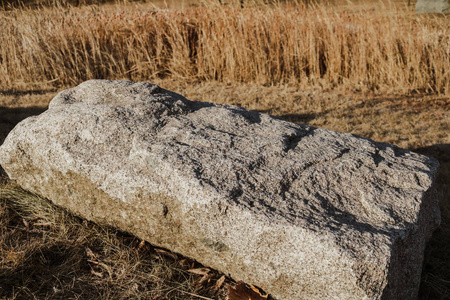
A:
[442,153]
[9,117]
[299,118]
[436,268]
[3,176]
[439,151]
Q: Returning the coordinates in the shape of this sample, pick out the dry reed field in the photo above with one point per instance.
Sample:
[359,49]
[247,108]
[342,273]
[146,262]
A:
[374,69]
[368,49]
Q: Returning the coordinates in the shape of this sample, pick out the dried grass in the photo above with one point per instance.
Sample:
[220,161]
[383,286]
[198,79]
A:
[317,45]
[297,62]
[46,253]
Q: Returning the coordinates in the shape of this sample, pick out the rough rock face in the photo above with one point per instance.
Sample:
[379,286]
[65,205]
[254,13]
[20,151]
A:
[433,6]
[304,213]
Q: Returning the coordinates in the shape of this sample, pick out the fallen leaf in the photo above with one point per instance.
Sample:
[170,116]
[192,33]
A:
[203,281]
[259,291]
[141,245]
[186,264]
[199,271]
[218,284]
[205,278]
[166,253]
[242,291]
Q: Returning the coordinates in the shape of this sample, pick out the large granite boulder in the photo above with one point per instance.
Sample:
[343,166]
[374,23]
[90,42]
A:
[302,212]
[433,6]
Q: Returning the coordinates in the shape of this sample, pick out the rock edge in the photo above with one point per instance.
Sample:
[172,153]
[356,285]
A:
[302,212]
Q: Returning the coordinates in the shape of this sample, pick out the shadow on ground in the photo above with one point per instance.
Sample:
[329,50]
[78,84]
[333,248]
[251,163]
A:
[15,92]
[299,118]
[435,284]
[9,117]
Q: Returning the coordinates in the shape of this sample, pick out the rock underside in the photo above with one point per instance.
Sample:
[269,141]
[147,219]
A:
[302,212]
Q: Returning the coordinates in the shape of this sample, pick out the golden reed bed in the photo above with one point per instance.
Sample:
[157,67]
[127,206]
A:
[368,47]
